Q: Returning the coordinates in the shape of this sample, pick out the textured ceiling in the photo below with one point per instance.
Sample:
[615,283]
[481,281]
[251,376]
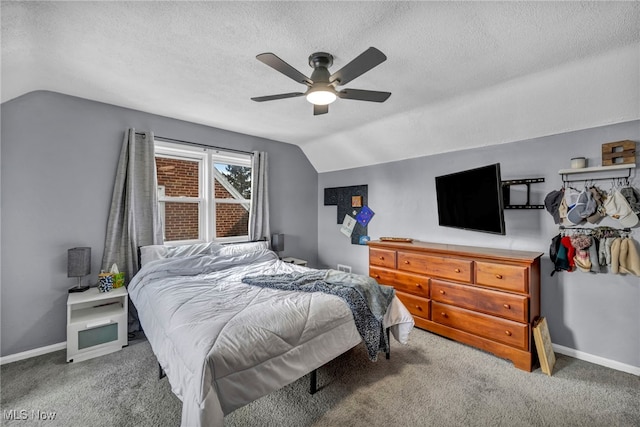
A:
[462,74]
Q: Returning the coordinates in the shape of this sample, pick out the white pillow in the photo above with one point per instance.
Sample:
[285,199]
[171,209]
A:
[154,252]
[242,248]
[195,249]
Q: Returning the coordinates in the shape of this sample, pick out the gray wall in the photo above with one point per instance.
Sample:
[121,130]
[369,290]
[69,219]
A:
[59,157]
[597,314]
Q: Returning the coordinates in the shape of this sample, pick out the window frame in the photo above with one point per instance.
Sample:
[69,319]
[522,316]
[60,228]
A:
[206,158]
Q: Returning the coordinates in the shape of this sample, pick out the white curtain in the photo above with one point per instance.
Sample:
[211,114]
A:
[133,217]
[259,215]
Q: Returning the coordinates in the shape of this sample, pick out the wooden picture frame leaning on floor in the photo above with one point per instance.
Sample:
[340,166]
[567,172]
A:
[543,345]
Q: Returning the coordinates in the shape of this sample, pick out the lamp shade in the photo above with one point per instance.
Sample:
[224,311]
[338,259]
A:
[277,242]
[78,262]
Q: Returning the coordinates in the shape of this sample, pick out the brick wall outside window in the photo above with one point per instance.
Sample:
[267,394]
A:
[231,220]
[179,177]
[180,221]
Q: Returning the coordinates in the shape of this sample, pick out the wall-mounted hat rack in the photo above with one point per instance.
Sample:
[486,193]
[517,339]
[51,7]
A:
[506,193]
[616,171]
[595,229]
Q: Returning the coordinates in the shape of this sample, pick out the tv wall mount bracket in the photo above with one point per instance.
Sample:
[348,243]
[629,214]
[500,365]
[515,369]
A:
[506,193]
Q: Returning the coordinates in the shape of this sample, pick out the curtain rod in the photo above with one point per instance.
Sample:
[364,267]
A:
[180,141]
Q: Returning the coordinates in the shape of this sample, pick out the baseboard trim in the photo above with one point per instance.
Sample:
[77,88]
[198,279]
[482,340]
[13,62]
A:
[618,366]
[33,353]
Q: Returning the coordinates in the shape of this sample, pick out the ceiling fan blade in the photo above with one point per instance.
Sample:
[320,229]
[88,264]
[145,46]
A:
[279,65]
[360,65]
[320,109]
[364,95]
[280,96]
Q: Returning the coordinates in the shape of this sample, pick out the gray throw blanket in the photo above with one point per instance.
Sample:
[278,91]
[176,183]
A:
[367,299]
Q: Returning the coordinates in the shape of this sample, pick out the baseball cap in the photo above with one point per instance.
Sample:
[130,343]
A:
[571,196]
[584,207]
[552,203]
[600,212]
[633,198]
[618,208]
[563,211]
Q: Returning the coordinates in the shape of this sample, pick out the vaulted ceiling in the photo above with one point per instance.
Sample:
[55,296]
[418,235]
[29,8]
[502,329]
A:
[461,74]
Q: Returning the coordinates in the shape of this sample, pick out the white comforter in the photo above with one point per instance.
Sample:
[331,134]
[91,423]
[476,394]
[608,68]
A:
[224,344]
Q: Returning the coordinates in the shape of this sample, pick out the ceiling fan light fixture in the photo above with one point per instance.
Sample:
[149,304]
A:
[321,86]
[321,96]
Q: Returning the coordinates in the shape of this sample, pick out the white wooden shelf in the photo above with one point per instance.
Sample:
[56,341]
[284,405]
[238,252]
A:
[597,169]
[613,169]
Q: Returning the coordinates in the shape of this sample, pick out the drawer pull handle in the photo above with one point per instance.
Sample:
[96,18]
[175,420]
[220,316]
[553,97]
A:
[498,276]
[419,308]
[443,314]
[418,285]
[441,291]
[377,276]
[457,270]
[507,306]
[381,257]
[508,333]
[406,262]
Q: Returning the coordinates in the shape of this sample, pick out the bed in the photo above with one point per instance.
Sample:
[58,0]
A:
[223,343]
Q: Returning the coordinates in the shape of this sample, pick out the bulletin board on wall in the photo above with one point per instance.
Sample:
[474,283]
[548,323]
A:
[353,210]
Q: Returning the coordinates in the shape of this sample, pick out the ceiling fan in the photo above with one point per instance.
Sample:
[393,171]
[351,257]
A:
[322,85]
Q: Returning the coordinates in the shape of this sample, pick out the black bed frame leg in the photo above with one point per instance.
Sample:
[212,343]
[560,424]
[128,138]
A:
[313,377]
[389,345]
[161,373]
[313,382]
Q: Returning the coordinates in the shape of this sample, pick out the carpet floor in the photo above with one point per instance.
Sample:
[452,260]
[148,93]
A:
[431,381]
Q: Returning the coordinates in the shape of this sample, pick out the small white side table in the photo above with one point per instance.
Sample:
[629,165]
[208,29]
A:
[96,323]
[295,261]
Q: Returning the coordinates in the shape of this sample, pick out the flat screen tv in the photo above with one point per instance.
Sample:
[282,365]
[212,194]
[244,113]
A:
[472,200]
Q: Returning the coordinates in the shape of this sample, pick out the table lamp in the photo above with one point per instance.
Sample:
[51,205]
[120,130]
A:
[79,265]
[277,243]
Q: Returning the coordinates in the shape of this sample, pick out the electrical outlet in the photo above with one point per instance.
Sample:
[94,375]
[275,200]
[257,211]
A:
[345,268]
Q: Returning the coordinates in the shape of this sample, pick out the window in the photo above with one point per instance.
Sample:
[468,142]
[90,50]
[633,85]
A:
[203,194]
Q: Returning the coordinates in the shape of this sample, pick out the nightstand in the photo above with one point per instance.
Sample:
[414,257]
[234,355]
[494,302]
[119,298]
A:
[295,261]
[96,323]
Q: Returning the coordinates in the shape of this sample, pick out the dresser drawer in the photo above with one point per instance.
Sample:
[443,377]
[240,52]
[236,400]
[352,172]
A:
[383,276]
[448,268]
[416,305]
[509,306]
[405,282]
[502,330]
[412,283]
[502,276]
[382,257]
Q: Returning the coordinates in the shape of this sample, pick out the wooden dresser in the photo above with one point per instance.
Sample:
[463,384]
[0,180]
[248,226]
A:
[486,298]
